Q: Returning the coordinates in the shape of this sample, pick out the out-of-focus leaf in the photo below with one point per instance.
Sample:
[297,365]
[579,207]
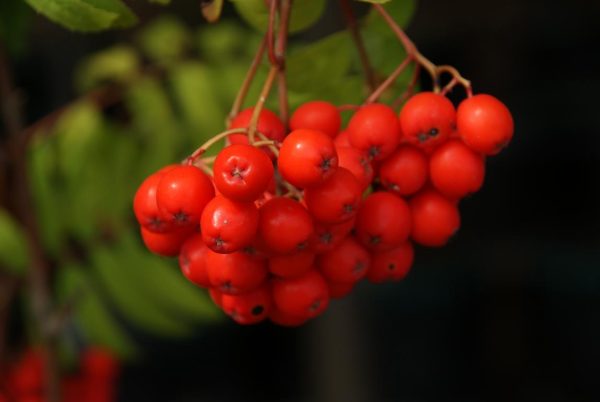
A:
[304,13]
[86,15]
[163,2]
[90,312]
[376,1]
[14,21]
[165,40]
[13,248]
[211,9]
[123,284]
[117,64]
[401,10]
[227,43]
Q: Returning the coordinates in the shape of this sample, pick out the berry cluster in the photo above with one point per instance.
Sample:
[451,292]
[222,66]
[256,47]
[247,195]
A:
[289,221]
[95,381]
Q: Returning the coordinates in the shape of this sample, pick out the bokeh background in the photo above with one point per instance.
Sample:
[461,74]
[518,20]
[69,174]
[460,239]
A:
[508,311]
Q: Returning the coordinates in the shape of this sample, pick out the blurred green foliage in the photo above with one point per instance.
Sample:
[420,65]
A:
[170,91]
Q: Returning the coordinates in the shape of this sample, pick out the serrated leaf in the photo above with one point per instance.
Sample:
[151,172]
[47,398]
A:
[212,9]
[13,247]
[91,313]
[122,285]
[165,40]
[117,64]
[304,13]
[86,15]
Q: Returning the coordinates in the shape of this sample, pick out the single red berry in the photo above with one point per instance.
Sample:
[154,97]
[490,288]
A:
[248,308]
[242,172]
[269,125]
[192,260]
[327,236]
[27,376]
[391,265]
[342,139]
[338,290]
[307,158]
[485,124]
[348,262]
[383,221]
[216,296]
[182,193]
[284,226]
[405,171]
[435,218]
[235,273]
[290,265]
[303,296]
[284,319]
[166,244]
[99,364]
[427,119]
[357,163]
[228,226]
[145,206]
[336,199]
[374,130]
[317,115]
[456,170]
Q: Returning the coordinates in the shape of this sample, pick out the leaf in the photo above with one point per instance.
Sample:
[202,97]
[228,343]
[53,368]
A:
[304,13]
[13,247]
[117,64]
[211,9]
[377,1]
[86,15]
[162,2]
[14,21]
[400,10]
[165,40]
[91,313]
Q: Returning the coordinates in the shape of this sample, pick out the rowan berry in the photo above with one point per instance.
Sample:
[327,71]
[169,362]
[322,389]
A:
[317,115]
[435,218]
[405,171]
[290,265]
[192,260]
[166,244]
[303,296]
[284,225]
[145,205]
[374,129]
[427,119]
[348,262]
[327,236]
[357,163]
[391,265]
[268,124]
[235,273]
[248,308]
[336,199]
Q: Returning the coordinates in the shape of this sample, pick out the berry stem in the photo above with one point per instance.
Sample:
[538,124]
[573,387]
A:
[291,190]
[284,22]
[243,91]
[265,142]
[389,81]
[359,44]
[409,89]
[202,149]
[272,146]
[264,94]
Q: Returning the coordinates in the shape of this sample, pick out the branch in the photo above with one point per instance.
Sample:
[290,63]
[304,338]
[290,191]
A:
[284,22]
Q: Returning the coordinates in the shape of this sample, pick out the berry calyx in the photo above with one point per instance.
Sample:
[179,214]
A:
[235,273]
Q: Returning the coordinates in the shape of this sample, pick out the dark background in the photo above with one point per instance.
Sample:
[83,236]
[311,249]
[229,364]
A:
[509,311]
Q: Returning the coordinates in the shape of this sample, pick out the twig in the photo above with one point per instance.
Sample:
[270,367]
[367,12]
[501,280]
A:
[389,81]
[282,34]
[264,94]
[359,43]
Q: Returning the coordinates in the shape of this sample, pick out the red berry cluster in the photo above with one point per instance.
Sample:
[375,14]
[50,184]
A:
[281,228]
[95,380]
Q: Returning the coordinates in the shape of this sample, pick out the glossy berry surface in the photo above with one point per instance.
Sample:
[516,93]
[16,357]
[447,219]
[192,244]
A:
[435,218]
[391,265]
[235,273]
[317,115]
[248,308]
[427,119]
[285,226]
[336,199]
[192,260]
[348,262]
[405,171]
[374,129]
[304,296]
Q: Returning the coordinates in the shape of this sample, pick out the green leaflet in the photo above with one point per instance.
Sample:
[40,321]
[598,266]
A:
[304,13]
[86,15]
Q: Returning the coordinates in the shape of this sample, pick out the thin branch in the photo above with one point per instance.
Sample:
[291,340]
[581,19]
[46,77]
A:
[389,81]
[359,43]
[282,34]
[264,94]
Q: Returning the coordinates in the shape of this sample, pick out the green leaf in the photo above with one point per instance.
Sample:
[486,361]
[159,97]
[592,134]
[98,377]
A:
[400,10]
[165,40]
[162,2]
[212,10]
[91,313]
[13,247]
[117,64]
[304,13]
[14,21]
[86,15]
[376,1]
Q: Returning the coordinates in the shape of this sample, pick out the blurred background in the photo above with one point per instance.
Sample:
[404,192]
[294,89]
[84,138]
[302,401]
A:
[508,311]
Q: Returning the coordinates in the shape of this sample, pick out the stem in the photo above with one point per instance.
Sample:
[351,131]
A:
[37,275]
[409,89]
[261,143]
[389,81]
[291,190]
[282,34]
[198,152]
[271,32]
[359,43]
[243,91]
[264,94]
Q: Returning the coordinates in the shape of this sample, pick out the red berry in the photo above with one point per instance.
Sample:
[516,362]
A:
[216,296]
[284,319]
[192,260]
[383,221]
[249,308]
[317,115]
[348,262]
[182,193]
[357,163]
[242,172]
[27,376]
[456,170]
[342,139]
[485,124]
[391,265]
[336,199]
[235,273]
[268,124]
[307,158]
[145,206]
[427,119]
[290,265]
[228,226]
[328,236]
[166,244]
[99,364]
[435,218]
[374,130]
[303,296]
[337,290]
[284,226]
[405,171]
